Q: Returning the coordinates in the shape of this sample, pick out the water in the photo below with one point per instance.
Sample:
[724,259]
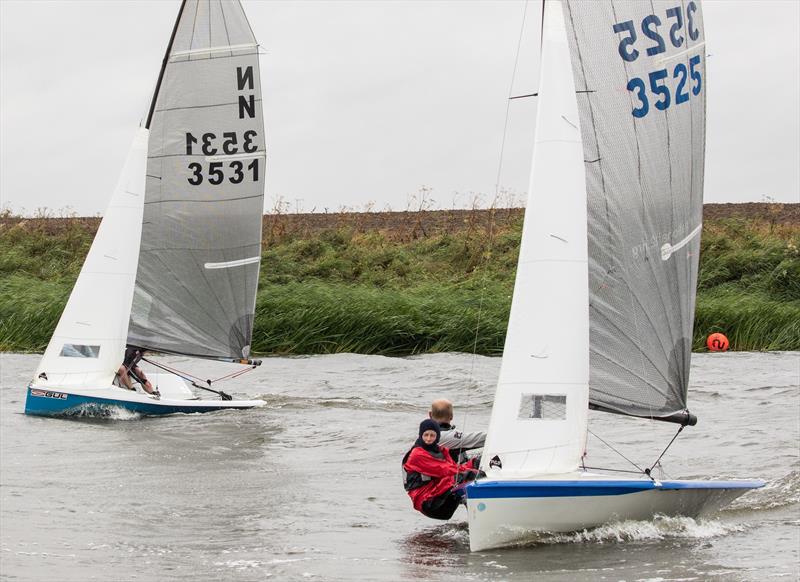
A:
[308,487]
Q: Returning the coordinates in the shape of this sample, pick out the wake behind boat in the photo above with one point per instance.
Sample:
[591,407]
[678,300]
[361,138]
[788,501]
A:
[603,307]
[174,265]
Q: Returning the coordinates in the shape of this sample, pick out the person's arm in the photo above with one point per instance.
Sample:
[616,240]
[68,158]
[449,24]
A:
[471,465]
[455,439]
[422,462]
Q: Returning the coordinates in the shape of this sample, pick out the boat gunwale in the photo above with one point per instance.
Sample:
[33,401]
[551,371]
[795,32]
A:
[499,489]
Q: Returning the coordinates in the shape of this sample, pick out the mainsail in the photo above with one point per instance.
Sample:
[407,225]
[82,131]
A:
[640,80]
[617,175]
[201,235]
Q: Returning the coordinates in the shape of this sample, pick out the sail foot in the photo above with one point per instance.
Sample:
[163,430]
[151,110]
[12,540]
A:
[684,417]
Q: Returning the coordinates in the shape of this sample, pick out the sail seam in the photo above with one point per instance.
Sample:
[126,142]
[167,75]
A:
[240,156]
[214,49]
[189,156]
[218,58]
[154,249]
[225,24]
[171,200]
[194,24]
[188,107]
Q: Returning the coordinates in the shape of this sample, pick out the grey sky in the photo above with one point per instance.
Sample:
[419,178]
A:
[365,102]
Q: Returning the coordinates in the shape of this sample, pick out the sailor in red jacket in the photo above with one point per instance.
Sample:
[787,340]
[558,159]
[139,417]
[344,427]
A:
[431,476]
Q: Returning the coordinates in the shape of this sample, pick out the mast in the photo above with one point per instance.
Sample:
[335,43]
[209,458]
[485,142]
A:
[164,66]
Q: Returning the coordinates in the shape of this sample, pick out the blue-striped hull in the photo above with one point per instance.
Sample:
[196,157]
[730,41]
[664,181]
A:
[598,488]
[508,512]
[40,402]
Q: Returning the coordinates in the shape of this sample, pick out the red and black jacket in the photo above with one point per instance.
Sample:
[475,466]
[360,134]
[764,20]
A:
[428,476]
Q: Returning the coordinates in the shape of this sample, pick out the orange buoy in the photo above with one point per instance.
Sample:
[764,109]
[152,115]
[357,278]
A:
[717,342]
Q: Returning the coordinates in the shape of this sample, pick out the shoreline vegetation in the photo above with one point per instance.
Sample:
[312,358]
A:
[402,283]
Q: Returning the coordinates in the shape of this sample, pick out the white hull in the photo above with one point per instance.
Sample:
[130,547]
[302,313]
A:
[503,513]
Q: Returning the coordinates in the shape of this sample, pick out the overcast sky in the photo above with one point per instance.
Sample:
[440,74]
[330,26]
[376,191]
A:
[365,102]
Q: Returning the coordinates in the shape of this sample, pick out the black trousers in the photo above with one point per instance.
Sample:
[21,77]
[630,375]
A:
[442,507]
[445,505]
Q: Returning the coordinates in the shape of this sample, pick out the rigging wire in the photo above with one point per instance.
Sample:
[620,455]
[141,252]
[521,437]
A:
[612,470]
[619,453]
[178,372]
[647,471]
[191,378]
[508,101]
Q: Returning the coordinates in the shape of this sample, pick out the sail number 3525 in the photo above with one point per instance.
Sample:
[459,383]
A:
[655,87]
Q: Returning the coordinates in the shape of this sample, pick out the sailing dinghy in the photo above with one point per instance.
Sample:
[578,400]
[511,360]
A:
[603,304]
[174,265]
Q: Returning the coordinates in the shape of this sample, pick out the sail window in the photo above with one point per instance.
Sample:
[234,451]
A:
[79,351]
[542,406]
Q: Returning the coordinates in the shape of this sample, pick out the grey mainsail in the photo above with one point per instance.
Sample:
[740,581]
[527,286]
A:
[640,78]
[201,235]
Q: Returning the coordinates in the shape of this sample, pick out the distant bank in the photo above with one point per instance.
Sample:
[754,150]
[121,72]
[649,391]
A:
[399,283]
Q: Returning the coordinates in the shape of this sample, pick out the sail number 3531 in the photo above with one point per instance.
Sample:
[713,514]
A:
[216,172]
[655,87]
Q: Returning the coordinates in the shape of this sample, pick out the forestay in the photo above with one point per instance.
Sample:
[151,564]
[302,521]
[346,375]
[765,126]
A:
[540,411]
[201,237]
[639,71]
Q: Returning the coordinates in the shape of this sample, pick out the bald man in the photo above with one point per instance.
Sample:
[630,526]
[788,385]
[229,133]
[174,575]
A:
[455,440]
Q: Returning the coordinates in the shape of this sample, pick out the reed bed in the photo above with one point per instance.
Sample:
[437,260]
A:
[407,283]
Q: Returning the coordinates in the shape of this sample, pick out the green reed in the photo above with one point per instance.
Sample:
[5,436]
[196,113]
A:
[405,290]
[317,317]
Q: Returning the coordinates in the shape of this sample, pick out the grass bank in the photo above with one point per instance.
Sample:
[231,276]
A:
[404,283]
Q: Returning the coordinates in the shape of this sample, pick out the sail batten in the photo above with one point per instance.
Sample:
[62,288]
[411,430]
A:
[204,191]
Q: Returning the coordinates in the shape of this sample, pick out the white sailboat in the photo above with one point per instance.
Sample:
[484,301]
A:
[603,304]
[174,264]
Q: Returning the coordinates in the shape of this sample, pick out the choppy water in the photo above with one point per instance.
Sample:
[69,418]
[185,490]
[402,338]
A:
[308,487]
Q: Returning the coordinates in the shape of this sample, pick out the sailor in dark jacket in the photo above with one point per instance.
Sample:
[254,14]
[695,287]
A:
[431,477]
[456,440]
